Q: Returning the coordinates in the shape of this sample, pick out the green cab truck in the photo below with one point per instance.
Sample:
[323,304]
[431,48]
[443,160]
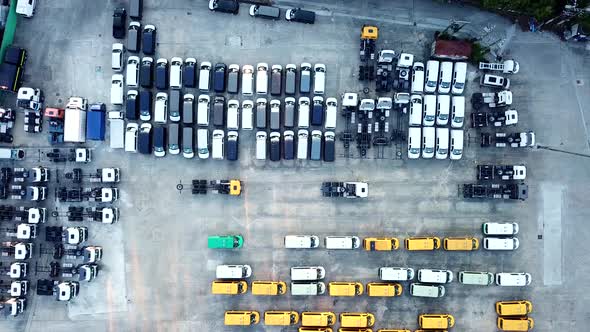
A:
[225,241]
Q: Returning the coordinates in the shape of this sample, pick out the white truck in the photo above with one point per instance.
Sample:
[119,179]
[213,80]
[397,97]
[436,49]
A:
[75,120]
[345,189]
[16,288]
[17,250]
[85,272]
[513,140]
[496,119]
[506,67]
[22,231]
[29,98]
[66,290]
[16,270]
[74,235]
[117,130]
[491,99]
[501,172]
[26,8]
[15,305]
[105,215]
[30,193]
[350,100]
[31,215]
[106,175]
[104,194]
[40,174]
[11,153]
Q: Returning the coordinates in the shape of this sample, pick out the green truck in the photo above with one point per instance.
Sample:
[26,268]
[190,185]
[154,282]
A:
[225,241]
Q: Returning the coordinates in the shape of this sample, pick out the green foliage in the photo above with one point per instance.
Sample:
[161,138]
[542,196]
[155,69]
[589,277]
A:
[540,9]
[584,21]
[478,53]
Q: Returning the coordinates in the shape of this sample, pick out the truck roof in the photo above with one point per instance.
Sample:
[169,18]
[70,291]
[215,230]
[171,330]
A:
[95,125]
[451,49]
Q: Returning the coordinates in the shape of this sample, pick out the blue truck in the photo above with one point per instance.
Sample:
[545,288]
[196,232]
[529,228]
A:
[96,122]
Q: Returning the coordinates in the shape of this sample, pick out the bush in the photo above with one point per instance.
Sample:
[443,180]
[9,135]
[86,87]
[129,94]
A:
[540,9]
[478,53]
[584,22]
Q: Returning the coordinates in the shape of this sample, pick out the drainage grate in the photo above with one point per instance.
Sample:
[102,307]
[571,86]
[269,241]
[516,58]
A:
[233,41]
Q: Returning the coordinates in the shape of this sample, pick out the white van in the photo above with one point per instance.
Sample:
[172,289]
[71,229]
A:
[476,278]
[513,279]
[310,273]
[331,113]
[414,140]
[442,143]
[431,76]
[435,276]
[117,57]
[261,78]
[217,144]
[301,241]
[415,110]
[247,80]
[308,288]
[203,110]
[418,77]
[176,73]
[459,76]
[132,73]
[429,110]
[500,228]
[233,114]
[302,138]
[445,77]
[261,145]
[303,114]
[117,89]
[203,143]
[457,111]
[233,271]
[247,115]
[442,110]
[131,137]
[427,290]
[319,78]
[396,273]
[204,76]
[492,243]
[456,144]
[428,142]
[342,242]
[161,108]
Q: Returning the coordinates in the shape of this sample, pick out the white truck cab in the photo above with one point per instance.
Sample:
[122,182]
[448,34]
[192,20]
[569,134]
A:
[26,8]
[233,271]
[342,242]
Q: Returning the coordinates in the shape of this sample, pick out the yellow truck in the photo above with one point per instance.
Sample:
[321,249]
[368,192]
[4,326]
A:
[269,287]
[241,318]
[380,244]
[222,287]
[345,288]
[422,243]
[357,319]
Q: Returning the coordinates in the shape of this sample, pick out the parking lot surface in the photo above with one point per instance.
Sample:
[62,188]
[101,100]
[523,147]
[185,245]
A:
[158,270]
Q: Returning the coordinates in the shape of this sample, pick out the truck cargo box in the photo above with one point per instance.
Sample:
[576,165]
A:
[75,126]
[95,125]
[10,76]
[16,56]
